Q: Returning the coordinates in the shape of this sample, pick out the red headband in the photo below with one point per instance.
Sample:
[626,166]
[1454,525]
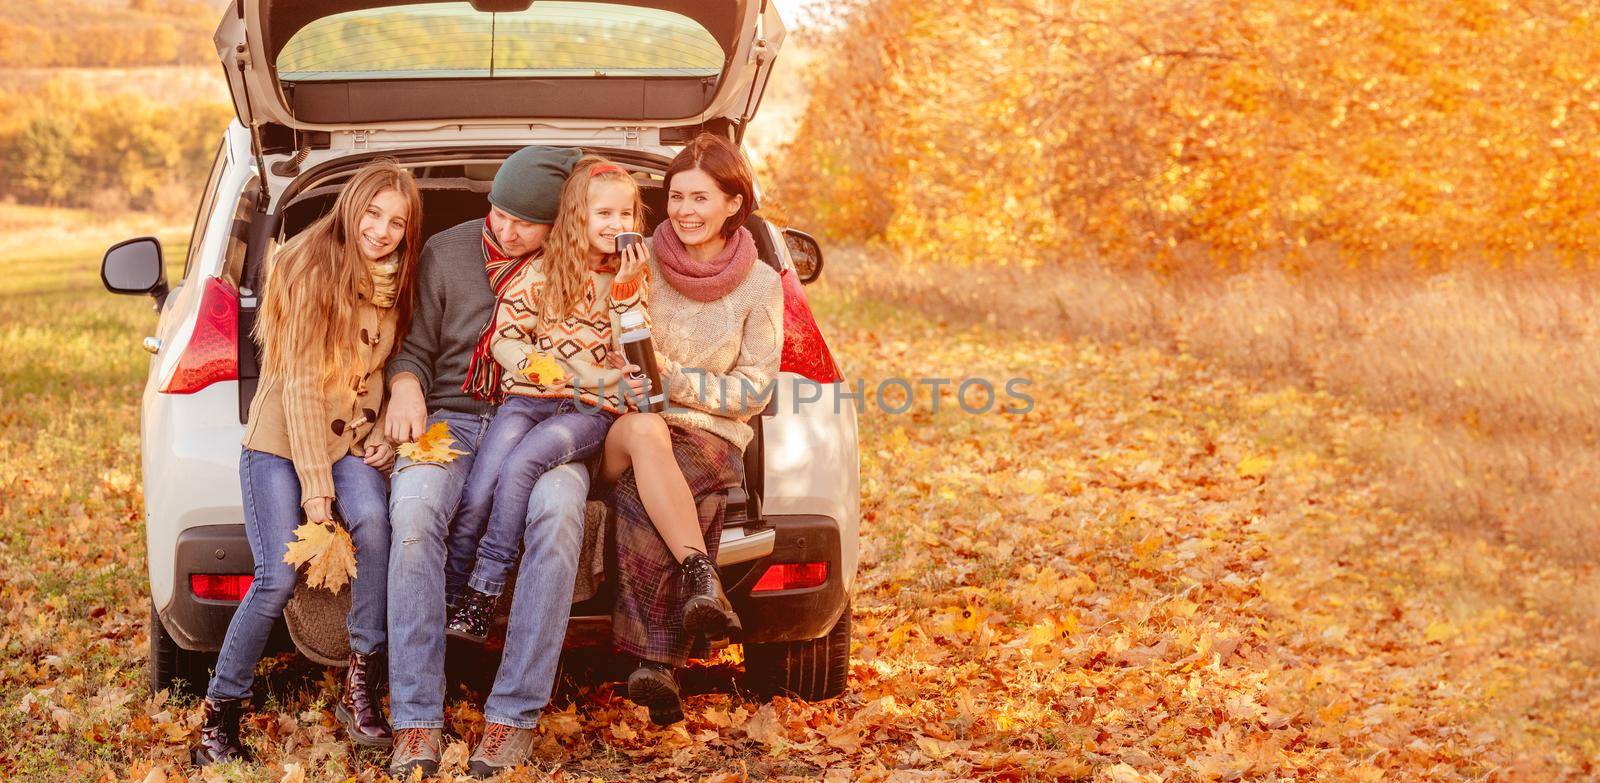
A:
[606,168]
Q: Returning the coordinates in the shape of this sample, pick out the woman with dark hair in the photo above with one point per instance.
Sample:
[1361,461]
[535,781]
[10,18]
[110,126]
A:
[333,304]
[717,325]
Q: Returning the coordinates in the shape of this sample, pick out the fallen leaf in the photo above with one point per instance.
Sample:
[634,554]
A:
[454,757]
[293,773]
[763,726]
[1254,467]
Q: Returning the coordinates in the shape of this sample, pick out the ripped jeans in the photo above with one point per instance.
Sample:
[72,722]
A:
[423,499]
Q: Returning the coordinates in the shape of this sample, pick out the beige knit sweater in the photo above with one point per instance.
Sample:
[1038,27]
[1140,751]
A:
[736,341]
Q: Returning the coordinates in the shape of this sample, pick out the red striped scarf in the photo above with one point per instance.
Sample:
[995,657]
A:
[483,372]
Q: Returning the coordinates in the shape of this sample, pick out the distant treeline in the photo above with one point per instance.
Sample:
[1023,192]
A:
[64,33]
[63,145]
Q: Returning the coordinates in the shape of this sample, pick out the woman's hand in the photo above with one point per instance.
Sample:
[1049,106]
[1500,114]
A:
[318,509]
[380,456]
[633,261]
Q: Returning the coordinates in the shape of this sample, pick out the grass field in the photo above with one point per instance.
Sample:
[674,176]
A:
[1174,568]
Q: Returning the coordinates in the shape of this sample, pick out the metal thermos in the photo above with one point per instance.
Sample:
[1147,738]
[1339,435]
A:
[641,352]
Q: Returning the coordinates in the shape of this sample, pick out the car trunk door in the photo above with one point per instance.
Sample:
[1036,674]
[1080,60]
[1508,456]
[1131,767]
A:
[399,65]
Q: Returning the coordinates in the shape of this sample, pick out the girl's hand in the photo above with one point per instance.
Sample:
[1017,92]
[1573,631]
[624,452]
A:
[638,385]
[633,261]
[380,456]
[318,509]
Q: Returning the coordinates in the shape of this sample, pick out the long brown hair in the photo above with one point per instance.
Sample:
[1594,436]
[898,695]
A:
[308,306]
[723,163]
[566,255]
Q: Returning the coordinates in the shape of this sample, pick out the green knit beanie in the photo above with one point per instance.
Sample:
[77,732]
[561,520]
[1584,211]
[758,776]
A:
[528,185]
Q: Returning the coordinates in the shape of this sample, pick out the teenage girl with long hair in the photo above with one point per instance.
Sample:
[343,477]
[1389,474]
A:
[332,306]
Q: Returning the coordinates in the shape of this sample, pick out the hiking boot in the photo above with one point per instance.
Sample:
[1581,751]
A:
[706,610]
[219,733]
[415,749]
[359,709]
[652,685]
[471,616]
[502,748]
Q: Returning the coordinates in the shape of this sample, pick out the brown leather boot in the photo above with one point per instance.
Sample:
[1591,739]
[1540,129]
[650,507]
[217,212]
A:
[219,733]
[706,610]
[360,708]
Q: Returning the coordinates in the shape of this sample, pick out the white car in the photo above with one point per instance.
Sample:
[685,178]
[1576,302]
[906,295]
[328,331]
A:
[449,90]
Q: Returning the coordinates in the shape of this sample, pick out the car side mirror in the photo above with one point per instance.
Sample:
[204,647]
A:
[135,267]
[806,254]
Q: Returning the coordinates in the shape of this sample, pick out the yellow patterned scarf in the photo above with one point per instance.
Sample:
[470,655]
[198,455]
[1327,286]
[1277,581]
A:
[385,280]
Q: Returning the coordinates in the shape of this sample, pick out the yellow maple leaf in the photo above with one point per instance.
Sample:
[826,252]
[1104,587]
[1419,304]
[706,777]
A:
[327,552]
[1253,467]
[435,446]
[543,369]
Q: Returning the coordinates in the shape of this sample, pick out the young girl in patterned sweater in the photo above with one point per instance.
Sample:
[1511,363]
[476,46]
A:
[556,318]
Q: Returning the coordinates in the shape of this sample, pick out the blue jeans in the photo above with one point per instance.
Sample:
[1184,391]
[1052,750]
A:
[527,437]
[271,494]
[422,501]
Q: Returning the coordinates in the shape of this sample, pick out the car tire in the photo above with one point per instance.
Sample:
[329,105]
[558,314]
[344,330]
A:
[812,670]
[173,668]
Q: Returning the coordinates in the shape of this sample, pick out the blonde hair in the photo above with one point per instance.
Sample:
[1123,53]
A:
[308,303]
[566,264]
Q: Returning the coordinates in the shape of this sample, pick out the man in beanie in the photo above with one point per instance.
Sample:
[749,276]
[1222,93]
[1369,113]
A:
[458,277]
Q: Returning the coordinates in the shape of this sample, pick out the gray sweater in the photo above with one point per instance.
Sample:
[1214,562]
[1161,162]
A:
[454,302]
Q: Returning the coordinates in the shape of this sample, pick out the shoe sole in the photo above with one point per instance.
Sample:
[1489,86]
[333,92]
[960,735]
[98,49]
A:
[666,708]
[477,770]
[402,772]
[349,723]
[705,617]
[466,637]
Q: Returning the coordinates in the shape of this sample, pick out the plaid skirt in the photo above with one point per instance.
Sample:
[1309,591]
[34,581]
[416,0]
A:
[647,620]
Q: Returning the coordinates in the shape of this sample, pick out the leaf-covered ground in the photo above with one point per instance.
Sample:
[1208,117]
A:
[1160,573]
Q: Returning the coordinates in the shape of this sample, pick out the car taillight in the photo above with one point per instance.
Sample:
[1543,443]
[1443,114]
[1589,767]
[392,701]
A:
[220,587]
[791,576]
[804,351]
[212,353]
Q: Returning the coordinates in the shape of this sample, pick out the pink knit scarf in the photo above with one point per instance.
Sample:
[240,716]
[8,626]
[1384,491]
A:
[704,281]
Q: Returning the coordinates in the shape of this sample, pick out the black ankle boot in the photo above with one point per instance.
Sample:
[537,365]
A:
[653,685]
[360,707]
[470,617]
[706,610]
[219,733]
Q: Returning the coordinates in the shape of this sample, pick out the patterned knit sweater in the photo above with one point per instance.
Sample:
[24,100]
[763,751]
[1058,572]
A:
[717,358]
[582,342]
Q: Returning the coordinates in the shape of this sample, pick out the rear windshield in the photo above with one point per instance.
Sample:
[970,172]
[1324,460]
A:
[451,40]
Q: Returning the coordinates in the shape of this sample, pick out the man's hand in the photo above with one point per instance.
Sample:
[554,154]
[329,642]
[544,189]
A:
[407,416]
[318,509]
[380,456]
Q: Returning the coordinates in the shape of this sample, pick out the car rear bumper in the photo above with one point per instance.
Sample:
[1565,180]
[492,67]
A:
[772,616]
[769,616]
[197,623]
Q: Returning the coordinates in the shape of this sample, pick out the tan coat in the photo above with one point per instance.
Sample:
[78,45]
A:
[314,427]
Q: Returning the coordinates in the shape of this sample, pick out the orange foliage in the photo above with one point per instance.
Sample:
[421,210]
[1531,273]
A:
[1160,131]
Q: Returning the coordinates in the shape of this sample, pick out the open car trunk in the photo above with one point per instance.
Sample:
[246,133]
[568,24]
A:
[457,192]
[330,65]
